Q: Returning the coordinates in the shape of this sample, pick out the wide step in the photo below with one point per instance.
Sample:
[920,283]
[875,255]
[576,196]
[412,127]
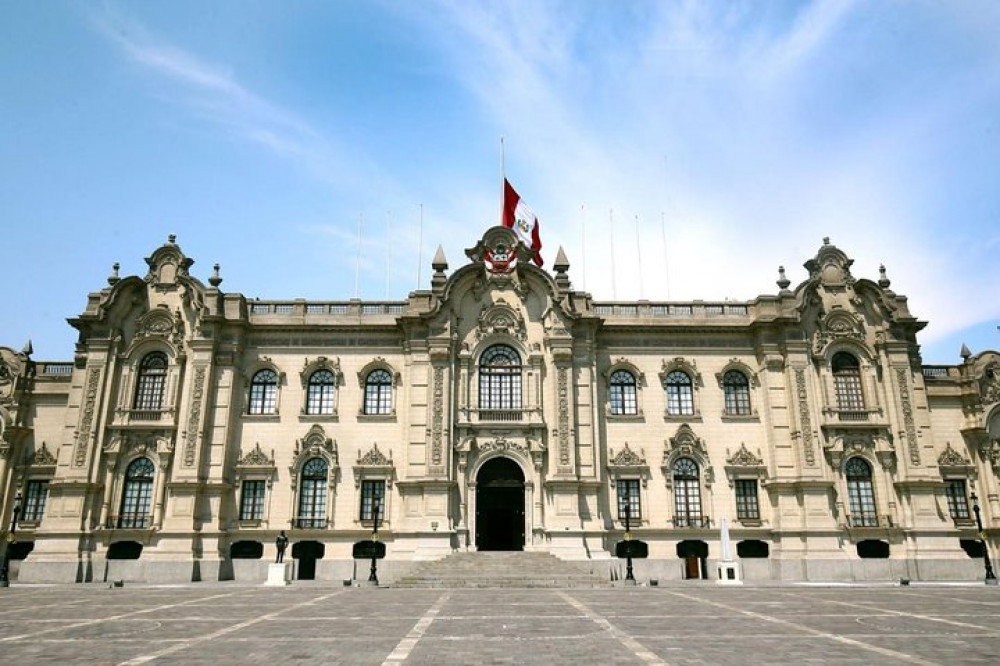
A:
[501,569]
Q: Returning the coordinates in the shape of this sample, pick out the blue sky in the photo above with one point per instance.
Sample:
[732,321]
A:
[707,143]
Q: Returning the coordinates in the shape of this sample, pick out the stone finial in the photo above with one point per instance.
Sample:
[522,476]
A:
[965,353]
[826,240]
[562,263]
[215,280]
[28,349]
[172,239]
[783,281]
[883,281]
[113,279]
[439,263]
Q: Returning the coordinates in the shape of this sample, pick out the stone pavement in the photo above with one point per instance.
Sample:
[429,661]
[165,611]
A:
[305,623]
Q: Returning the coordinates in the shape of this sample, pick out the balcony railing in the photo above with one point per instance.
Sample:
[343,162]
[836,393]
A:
[523,414]
[309,523]
[146,414]
[692,521]
[130,521]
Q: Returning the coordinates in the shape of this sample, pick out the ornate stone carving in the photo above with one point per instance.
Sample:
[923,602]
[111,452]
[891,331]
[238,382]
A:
[501,319]
[989,383]
[743,457]
[160,323]
[87,418]
[909,425]
[563,399]
[374,464]
[437,417]
[837,325]
[627,457]
[503,444]
[42,457]
[374,457]
[194,416]
[255,457]
[805,418]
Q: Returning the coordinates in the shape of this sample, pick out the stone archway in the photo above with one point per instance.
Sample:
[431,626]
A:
[500,503]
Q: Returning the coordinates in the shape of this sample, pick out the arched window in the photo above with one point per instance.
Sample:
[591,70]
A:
[847,382]
[860,493]
[687,494]
[680,394]
[736,389]
[151,382]
[264,392]
[500,378]
[378,392]
[319,394]
[623,394]
[137,495]
[312,494]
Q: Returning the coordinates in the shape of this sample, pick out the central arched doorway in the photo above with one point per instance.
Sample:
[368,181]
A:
[500,506]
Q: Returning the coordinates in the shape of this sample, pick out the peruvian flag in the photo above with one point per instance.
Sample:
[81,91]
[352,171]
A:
[520,218]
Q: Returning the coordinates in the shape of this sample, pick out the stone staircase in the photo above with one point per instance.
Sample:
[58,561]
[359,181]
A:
[500,569]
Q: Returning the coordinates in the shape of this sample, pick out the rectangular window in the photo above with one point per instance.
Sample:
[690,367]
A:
[747,507]
[372,493]
[958,503]
[628,496]
[252,500]
[34,501]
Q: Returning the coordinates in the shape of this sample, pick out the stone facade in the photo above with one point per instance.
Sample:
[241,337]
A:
[499,409]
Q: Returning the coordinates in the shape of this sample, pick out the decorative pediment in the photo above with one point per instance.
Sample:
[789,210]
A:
[500,319]
[310,366]
[315,444]
[377,363]
[42,457]
[167,264]
[627,464]
[739,366]
[953,463]
[685,443]
[744,458]
[831,267]
[627,457]
[374,465]
[835,326]
[255,457]
[683,364]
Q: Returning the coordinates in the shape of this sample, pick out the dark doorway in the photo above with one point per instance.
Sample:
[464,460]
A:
[306,553]
[694,553]
[500,506]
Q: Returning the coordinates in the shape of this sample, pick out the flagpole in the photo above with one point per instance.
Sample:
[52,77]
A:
[388,249]
[420,246]
[583,243]
[666,264]
[503,176]
[357,260]
[638,249]
[611,226]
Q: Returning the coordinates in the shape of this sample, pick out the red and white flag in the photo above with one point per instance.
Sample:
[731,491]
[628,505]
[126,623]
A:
[520,218]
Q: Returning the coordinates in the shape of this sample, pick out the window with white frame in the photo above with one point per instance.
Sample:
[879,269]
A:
[137,495]
[378,392]
[312,494]
[35,495]
[372,499]
[736,391]
[628,498]
[252,493]
[319,392]
[500,378]
[687,494]
[263,392]
[622,394]
[747,505]
[860,493]
[958,499]
[151,382]
[680,393]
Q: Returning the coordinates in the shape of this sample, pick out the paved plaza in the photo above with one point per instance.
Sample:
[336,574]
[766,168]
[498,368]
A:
[320,624]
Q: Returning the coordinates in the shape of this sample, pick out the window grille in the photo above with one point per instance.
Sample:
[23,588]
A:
[958,502]
[736,389]
[264,392]
[378,392]
[34,500]
[312,495]
[151,382]
[252,500]
[628,495]
[860,493]
[847,382]
[747,507]
[687,494]
[680,394]
[372,492]
[137,495]
[319,395]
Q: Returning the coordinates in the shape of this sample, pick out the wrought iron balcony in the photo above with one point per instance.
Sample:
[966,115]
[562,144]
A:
[692,522]
[130,521]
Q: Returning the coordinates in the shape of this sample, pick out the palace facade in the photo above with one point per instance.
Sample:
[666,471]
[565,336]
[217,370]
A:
[500,409]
